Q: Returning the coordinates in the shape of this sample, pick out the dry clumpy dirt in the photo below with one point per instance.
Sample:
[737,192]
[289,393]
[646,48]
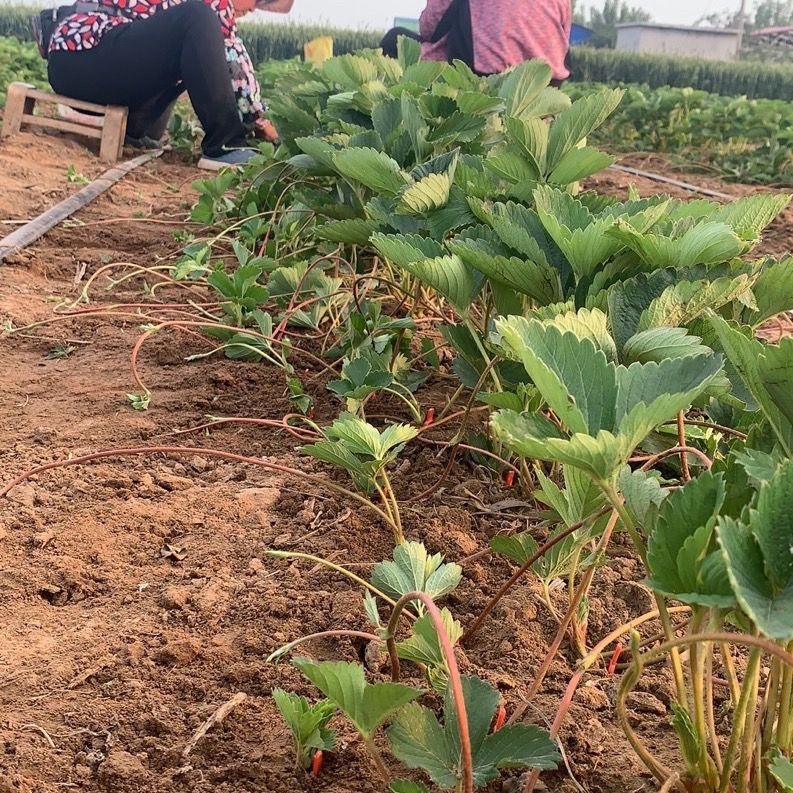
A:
[136,596]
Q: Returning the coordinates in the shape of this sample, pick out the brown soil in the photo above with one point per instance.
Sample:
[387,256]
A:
[136,596]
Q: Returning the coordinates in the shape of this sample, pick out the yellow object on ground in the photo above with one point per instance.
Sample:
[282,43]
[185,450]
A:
[318,50]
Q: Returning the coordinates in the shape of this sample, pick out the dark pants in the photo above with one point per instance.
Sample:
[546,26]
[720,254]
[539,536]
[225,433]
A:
[146,64]
[390,41]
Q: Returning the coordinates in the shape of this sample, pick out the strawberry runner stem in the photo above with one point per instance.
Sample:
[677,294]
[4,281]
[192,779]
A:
[238,458]
[523,569]
[584,665]
[339,569]
[467,780]
[681,438]
[287,648]
[583,588]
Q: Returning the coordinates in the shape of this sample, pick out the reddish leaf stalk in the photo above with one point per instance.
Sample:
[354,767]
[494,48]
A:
[575,601]
[300,433]
[466,414]
[615,658]
[281,329]
[681,440]
[198,324]
[700,455]
[455,680]
[585,664]
[511,469]
[317,762]
[710,425]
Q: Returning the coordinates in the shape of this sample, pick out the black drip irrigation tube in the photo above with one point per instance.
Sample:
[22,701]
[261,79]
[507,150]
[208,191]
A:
[19,240]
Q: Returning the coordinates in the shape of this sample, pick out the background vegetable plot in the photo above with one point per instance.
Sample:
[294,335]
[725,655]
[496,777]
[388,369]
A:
[731,137]
[436,307]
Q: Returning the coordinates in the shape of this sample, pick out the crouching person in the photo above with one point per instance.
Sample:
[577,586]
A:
[144,54]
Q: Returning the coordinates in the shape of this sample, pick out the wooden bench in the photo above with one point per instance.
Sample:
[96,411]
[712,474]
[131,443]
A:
[109,124]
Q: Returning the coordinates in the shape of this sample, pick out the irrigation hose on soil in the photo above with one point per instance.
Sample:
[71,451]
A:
[667,180]
[19,240]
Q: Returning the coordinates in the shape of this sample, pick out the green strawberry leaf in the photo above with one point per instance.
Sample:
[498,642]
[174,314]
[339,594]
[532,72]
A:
[366,705]
[758,552]
[748,357]
[683,560]
[782,770]
[371,168]
[414,570]
[403,786]
[419,741]
[307,723]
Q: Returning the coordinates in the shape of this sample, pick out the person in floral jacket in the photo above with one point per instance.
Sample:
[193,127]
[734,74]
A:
[143,54]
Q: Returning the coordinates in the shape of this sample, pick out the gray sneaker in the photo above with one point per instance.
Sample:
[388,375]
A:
[234,158]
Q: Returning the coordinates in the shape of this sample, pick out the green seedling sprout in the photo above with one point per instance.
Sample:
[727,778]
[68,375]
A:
[308,724]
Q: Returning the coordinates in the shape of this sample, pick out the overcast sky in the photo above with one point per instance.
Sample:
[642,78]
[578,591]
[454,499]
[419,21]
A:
[379,14]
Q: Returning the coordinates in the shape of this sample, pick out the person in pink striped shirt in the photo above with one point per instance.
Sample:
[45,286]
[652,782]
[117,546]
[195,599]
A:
[503,33]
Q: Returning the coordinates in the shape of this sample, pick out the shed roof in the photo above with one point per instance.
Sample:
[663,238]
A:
[655,26]
[773,31]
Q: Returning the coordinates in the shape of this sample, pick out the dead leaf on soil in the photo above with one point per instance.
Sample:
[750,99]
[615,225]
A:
[176,553]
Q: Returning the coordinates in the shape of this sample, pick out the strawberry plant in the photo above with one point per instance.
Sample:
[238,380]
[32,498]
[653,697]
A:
[414,570]
[20,61]
[365,453]
[372,373]
[459,755]
[308,724]
[241,291]
[729,569]
[366,705]
[605,409]
[742,140]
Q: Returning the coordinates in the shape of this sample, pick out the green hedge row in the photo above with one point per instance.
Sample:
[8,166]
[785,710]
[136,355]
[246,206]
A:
[20,61]
[15,22]
[748,78]
[279,42]
[753,79]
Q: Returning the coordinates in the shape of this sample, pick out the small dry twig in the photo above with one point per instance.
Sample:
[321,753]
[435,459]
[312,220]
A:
[41,731]
[216,718]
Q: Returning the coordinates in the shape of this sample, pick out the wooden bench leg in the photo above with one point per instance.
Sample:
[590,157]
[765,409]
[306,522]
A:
[113,131]
[18,104]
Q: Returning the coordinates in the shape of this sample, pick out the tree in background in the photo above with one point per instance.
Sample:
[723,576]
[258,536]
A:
[773,13]
[604,21]
[766,14]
